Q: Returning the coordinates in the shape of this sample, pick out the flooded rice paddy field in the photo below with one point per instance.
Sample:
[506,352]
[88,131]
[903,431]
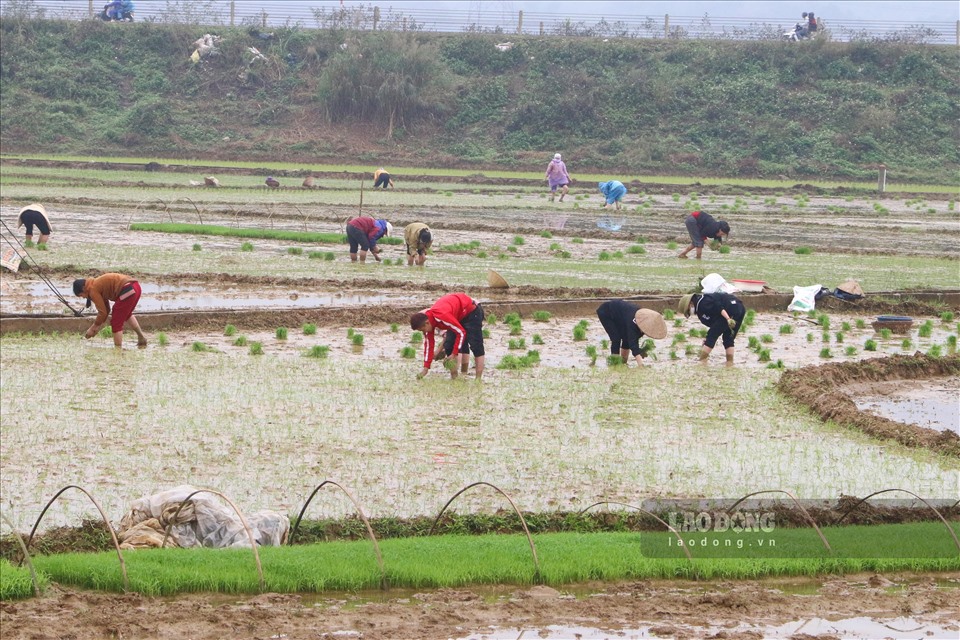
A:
[265,429]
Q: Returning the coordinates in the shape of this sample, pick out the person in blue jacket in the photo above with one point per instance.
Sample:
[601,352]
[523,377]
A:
[613,191]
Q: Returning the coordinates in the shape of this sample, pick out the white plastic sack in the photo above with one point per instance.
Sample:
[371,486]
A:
[804,298]
[714,282]
[206,523]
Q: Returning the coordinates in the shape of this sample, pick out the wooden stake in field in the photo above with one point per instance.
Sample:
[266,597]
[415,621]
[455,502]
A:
[360,213]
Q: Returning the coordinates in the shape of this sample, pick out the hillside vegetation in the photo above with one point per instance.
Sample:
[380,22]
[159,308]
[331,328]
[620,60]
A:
[804,110]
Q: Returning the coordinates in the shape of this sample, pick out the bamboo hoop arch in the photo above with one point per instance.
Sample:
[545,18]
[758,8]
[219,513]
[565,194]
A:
[243,521]
[304,217]
[806,514]
[653,515]
[103,516]
[363,517]
[197,209]
[935,510]
[523,522]
[139,207]
[26,555]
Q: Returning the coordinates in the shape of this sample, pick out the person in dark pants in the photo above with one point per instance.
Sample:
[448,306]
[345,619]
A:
[382,179]
[35,215]
[462,319]
[363,233]
[721,313]
[626,323]
[700,226]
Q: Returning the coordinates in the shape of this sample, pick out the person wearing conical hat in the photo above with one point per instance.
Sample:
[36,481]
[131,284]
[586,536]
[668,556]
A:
[626,324]
[721,313]
[34,215]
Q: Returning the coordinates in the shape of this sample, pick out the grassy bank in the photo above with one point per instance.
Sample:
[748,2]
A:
[564,558]
[740,109]
[237,232]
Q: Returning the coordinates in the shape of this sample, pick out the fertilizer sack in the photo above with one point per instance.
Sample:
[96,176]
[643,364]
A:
[804,298]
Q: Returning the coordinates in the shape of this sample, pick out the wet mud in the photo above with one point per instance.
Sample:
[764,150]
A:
[821,389]
[895,605]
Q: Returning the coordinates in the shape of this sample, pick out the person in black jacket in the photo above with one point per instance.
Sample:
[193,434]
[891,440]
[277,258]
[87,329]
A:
[625,324]
[721,312]
[701,225]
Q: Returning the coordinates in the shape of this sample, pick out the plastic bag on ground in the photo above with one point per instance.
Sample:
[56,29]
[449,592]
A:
[203,522]
[804,298]
[714,282]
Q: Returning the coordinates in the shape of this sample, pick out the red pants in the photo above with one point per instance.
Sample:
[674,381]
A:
[124,306]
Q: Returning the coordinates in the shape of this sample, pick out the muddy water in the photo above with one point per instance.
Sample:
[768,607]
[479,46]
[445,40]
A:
[34,297]
[934,404]
[852,628]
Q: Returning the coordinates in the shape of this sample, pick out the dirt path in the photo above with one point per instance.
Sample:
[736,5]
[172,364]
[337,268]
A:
[864,606]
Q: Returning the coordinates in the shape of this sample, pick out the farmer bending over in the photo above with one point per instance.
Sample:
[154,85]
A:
[418,239]
[613,191]
[124,292]
[701,225]
[625,324]
[35,215]
[363,233]
[382,179]
[462,319]
[721,312]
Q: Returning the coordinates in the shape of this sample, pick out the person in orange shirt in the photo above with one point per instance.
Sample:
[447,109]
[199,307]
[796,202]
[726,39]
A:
[124,292]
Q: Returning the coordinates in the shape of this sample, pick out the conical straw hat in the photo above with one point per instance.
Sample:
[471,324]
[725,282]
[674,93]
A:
[651,323]
[851,286]
[495,280]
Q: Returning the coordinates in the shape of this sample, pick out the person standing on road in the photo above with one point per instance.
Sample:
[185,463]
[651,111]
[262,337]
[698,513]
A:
[626,323]
[418,239]
[721,313]
[557,177]
[462,319]
[34,215]
[613,191]
[124,292]
[701,226]
[382,179]
[363,232]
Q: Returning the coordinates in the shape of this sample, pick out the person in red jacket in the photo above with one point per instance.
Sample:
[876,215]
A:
[462,319]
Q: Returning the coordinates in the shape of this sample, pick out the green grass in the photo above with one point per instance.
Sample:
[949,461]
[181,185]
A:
[246,232]
[15,582]
[317,351]
[452,561]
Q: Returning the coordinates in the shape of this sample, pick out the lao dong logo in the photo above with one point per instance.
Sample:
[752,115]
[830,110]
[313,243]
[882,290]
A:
[721,521]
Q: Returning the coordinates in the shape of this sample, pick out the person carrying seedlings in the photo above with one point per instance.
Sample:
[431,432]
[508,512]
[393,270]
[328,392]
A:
[701,226]
[124,292]
[363,233]
[613,191]
[34,215]
[626,323]
[462,319]
[557,177]
[418,239]
[721,313]
[382,179]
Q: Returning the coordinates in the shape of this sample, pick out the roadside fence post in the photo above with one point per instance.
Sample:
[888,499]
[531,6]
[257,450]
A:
[541,28]
[958,33]
[520,22]
[233,12]
[882,178]
[263,14]
[376,17]
[666,25]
